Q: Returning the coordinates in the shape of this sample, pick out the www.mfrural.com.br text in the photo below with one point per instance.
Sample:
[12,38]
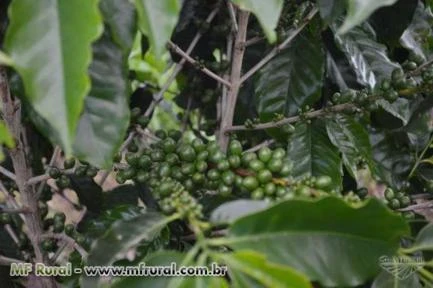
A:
[172,270]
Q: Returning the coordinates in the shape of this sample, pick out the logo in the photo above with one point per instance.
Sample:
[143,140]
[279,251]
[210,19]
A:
[401,267]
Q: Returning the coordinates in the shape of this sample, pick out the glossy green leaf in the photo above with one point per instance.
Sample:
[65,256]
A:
[120,238]
[230,211]
[424,239]
[267,12]
[105,118]
[319,237]
[313,153]
[50,44]
[359,10]
[121,17]
[400,109]
[157,19]
[292,79]
[351,138]
[366,56]
[330,10]
[392,161]
[416,37]
[255,265]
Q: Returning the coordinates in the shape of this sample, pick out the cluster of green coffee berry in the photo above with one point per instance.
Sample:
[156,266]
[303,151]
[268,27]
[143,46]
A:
[174,198]
[138,118]
[81,169]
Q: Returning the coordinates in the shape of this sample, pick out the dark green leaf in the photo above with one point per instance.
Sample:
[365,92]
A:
[383,20]
[400,109]
[320,237]
[105,118]
[120,238]
[230,211]
[255,265]
[417,37]
[121,18]
[313,153]
[267,12]
[330,10]
[367,57]
[157,19]
[392,160]
[292,79]
[50,44]
[359,10]
[350,137]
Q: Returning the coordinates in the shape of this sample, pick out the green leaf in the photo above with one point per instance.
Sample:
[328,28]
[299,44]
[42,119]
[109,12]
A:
[230,211]
[392,161]
[255,265]
[319,237]
[330,10]
[105,118]
[292,79]
[5,139]
[313,153]
[50,44]
[120,238]
[157,19]
[417,37]
[368,58]
[359,10]
[400,109]
[267,12]
[120,16]
[424,239]
[387,280]
[350,137]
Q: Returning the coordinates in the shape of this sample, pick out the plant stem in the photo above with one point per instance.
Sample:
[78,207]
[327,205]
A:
[6,261]
[23,172]
[309,115]
[418,161]
[235,79]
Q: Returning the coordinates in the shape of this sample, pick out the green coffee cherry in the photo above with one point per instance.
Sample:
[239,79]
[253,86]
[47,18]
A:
[389,194]
[235,147]
[54,172]
[265,154]
[69,163]
[250,183]
[264,176]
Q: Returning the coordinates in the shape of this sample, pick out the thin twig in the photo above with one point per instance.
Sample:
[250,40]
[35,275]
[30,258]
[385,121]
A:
[8,173]
[192,61]
[254,40]
[53,159]
[15,210]
[418,160]
[420,206]
[232,13]
[179,66]
[6,261]
[147,134]
[283,45]
[42,178]
[308,115]
[12,233]
[265,143]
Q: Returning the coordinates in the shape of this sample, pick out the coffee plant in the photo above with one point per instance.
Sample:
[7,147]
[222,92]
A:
[278,143]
